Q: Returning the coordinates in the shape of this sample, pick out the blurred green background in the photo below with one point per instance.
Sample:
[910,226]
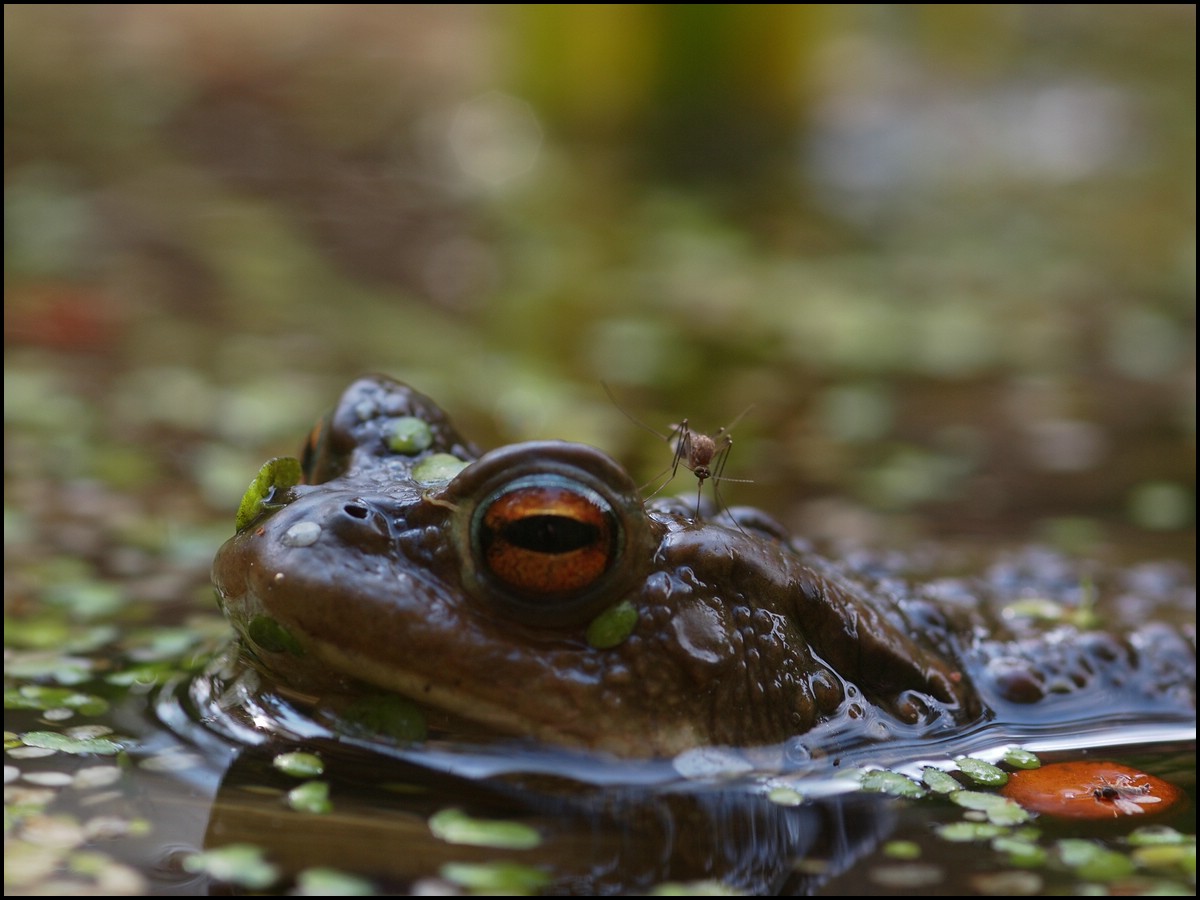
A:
[947,253]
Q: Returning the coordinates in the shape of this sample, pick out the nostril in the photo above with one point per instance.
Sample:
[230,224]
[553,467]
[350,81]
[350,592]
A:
[363,524]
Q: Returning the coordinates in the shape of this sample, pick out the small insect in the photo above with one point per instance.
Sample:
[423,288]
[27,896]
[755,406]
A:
[701,454]
[1124,793]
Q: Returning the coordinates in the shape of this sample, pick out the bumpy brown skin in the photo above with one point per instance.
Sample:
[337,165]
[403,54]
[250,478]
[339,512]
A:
[742,637]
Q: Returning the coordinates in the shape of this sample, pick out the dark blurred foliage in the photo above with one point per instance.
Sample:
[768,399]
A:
[946,251]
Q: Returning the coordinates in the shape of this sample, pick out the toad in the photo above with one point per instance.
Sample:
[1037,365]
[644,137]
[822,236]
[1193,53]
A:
[530,590]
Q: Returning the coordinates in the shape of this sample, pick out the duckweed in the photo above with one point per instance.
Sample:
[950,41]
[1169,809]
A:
[299,765]
[162,644]
[613,626]
[892,783]
[982,773]
[902,850]
[964,832]
[1008,884]
[240,864]
[1020,758]
[495,877]
[785,796]
[1167,858]
[33,696]
[276,476]
[409,435]
[310,797]
[52,740]
[49,666]
[1092,862]
[901,877]
[999,810]
[52,632]
[437,468]
[171,761]
[1150,835]
[456,827]
[150,673]
[707,888]
[1020,852]
[326,882]
[86,598]
[940,782]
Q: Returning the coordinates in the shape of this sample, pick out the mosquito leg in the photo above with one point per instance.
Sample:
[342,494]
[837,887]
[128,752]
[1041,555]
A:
[666,481]
[718,471]
[723,455]
[682,430]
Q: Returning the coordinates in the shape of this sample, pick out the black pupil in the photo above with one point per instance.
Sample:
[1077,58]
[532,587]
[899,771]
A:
[550,534]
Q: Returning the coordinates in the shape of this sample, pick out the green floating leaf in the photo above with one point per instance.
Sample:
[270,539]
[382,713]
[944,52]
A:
[409,435]
[436,468]
[299,765]
[310,797]
[705,888]
[940,782]
[49,666]
[86,598]
[50,632]
[158,644]
[495,878]
[1091,862]
[612,626]
[144,673]
[325,882]
[33,696]
[785,796]
[1150,835]
[902,850]
[891,783]
[1022,853]
[276,476]
[1020,758]
[962,832]
[999,810]
[52,740]
[241,864]
[1169,858]
[455,827]
[982,772]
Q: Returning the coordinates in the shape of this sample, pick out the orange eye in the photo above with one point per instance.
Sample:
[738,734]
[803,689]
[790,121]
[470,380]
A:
[548,534]
[547,537]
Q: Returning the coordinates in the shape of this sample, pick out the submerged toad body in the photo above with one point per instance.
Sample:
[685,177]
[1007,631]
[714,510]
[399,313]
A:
[534,593]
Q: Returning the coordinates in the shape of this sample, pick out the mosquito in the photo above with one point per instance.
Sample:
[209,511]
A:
[701,454]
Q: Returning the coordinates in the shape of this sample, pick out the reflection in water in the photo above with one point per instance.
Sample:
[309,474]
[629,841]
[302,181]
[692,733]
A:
[606,826]
[594,839]
[646,826]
